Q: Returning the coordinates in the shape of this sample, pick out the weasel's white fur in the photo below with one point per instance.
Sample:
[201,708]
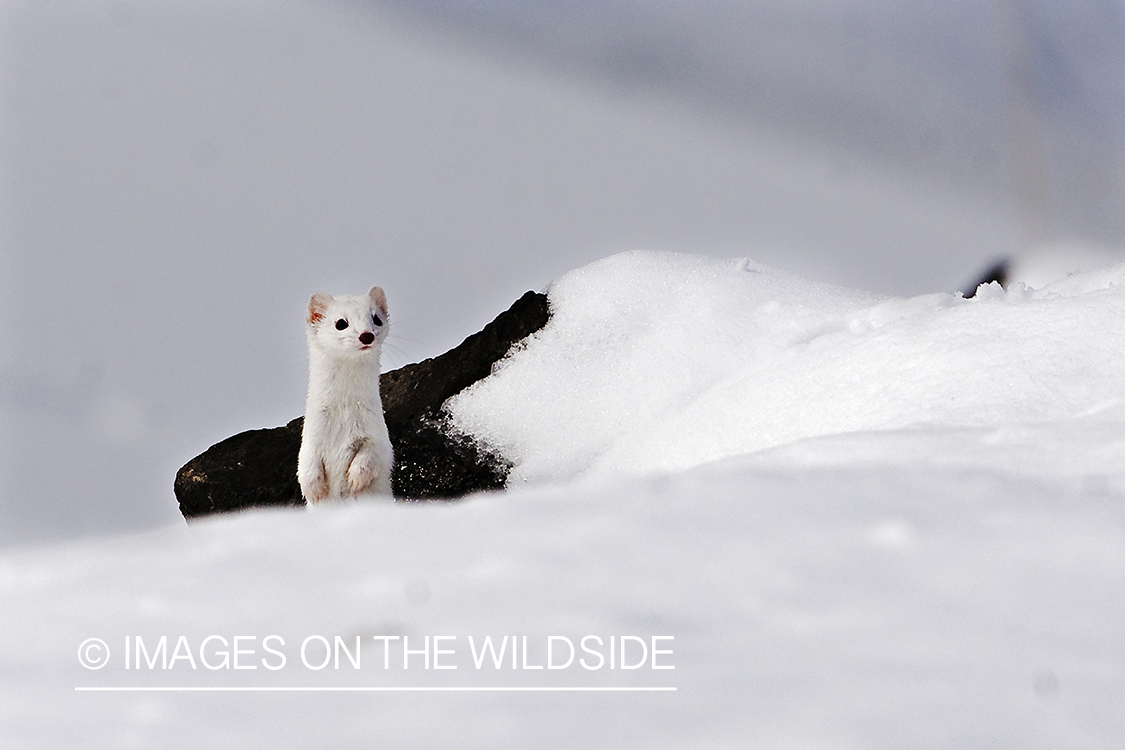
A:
[345,449]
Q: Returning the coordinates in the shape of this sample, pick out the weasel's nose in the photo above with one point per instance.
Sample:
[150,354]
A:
[366,338]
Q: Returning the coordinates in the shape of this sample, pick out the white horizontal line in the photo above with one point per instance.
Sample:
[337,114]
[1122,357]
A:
[155,689]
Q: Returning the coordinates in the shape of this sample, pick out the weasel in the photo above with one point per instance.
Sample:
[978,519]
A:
[345,448]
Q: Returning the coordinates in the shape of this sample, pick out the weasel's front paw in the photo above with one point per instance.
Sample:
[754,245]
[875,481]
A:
[315,486]
[360,475]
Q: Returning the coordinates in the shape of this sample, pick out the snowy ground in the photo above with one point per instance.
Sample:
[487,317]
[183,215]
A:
[864,522]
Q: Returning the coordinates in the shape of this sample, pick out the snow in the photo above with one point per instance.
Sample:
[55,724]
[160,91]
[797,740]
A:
[661,362]
[1042,265]
[864,521]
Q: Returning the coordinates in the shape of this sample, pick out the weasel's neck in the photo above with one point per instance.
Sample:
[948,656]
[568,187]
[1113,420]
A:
[343,379]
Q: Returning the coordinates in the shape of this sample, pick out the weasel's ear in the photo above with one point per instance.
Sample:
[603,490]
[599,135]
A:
[317,305]
[380,299]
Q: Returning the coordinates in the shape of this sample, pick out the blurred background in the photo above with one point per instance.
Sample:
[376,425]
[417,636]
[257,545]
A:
[177,178]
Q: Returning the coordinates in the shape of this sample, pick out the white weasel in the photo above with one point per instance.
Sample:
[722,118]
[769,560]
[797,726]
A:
[345,448]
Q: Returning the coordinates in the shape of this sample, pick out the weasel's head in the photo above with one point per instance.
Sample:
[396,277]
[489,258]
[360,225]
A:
[348,325]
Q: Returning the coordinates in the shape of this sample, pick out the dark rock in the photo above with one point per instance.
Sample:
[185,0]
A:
[253,468]
[259,467]
[431,461]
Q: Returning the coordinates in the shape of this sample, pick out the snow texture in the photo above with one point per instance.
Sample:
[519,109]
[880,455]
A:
[865,522]
[660,362]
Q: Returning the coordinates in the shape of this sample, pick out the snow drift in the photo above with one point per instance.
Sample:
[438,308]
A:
[660,362]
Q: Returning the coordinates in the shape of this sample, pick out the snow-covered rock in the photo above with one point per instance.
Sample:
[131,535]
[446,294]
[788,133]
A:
[658,362]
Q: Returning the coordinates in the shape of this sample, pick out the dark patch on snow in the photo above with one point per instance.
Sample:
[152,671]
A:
[997,272]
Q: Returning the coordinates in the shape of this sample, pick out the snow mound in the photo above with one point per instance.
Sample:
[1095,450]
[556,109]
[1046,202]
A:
[656,362]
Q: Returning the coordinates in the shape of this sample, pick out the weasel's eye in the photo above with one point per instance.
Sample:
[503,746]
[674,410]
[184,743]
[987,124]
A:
[375,319]
[341,324]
